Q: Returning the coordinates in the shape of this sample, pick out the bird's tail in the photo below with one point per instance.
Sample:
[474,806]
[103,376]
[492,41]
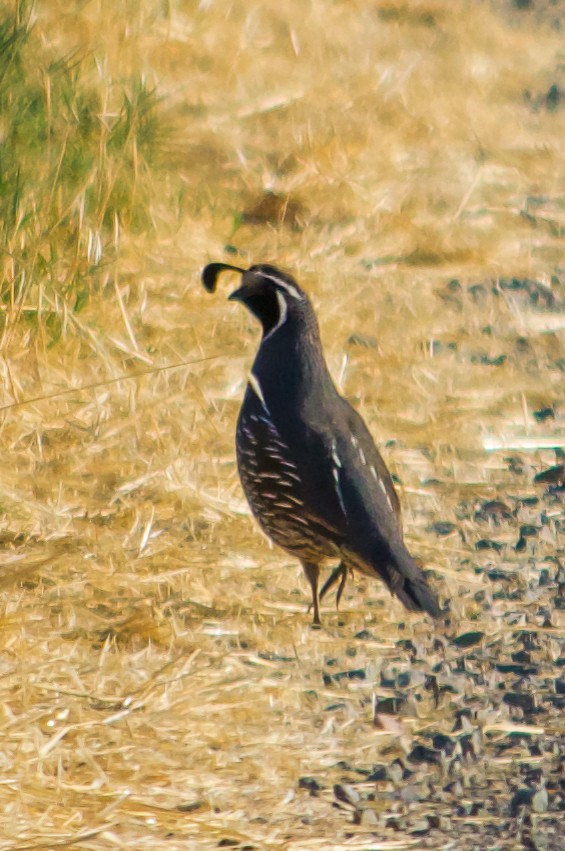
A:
[411,586]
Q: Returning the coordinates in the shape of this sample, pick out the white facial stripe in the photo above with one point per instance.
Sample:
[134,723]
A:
[256,387]
[283,308]
[292,291]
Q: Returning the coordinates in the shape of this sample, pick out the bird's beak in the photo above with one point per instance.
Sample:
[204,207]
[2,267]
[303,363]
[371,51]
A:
[240,294]
[247,288]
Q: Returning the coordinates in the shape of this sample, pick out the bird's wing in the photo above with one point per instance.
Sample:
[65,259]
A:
[373,509]
[374,514]
[364,456]
[348,496]
[347,488]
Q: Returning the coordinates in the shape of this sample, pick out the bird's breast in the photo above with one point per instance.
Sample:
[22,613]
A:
[273,485]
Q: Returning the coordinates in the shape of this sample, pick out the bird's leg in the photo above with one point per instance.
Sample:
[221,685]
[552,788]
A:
[340,572]
[341,588]
[312,572]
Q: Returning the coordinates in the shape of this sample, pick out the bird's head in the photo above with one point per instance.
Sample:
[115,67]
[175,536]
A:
[272,296]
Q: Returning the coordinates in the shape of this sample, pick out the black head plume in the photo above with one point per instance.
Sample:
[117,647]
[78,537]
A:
[212,270]
[271,295]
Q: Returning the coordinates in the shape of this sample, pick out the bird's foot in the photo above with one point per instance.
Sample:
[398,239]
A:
[338,574]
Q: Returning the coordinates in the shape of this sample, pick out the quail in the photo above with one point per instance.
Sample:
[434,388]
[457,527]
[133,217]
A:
[310,470]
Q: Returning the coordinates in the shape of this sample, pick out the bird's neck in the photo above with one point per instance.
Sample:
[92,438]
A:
[291,361]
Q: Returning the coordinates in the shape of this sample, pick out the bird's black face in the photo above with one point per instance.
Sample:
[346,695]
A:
[263,304]
[267,292]
[270,295]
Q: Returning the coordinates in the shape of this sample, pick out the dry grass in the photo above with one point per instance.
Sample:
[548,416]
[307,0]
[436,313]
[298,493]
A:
[160,683]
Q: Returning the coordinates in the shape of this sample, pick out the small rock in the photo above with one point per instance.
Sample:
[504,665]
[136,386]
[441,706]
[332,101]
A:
[521,798]
[494,510]
[488,544]
[347,794]
[410,793]
[396,771]
[554,97]
[521,700]
[444,527]
[468,639]
[444,743]
[500,575]
[519,670]
[368,818]
[309,783]
[551,476]
[419,826]
[379,772]
[467,745]
[390,705]
[543,414]
[421,754]
[515,464]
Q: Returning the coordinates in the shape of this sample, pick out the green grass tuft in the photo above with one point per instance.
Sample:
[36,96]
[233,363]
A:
[79,162]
